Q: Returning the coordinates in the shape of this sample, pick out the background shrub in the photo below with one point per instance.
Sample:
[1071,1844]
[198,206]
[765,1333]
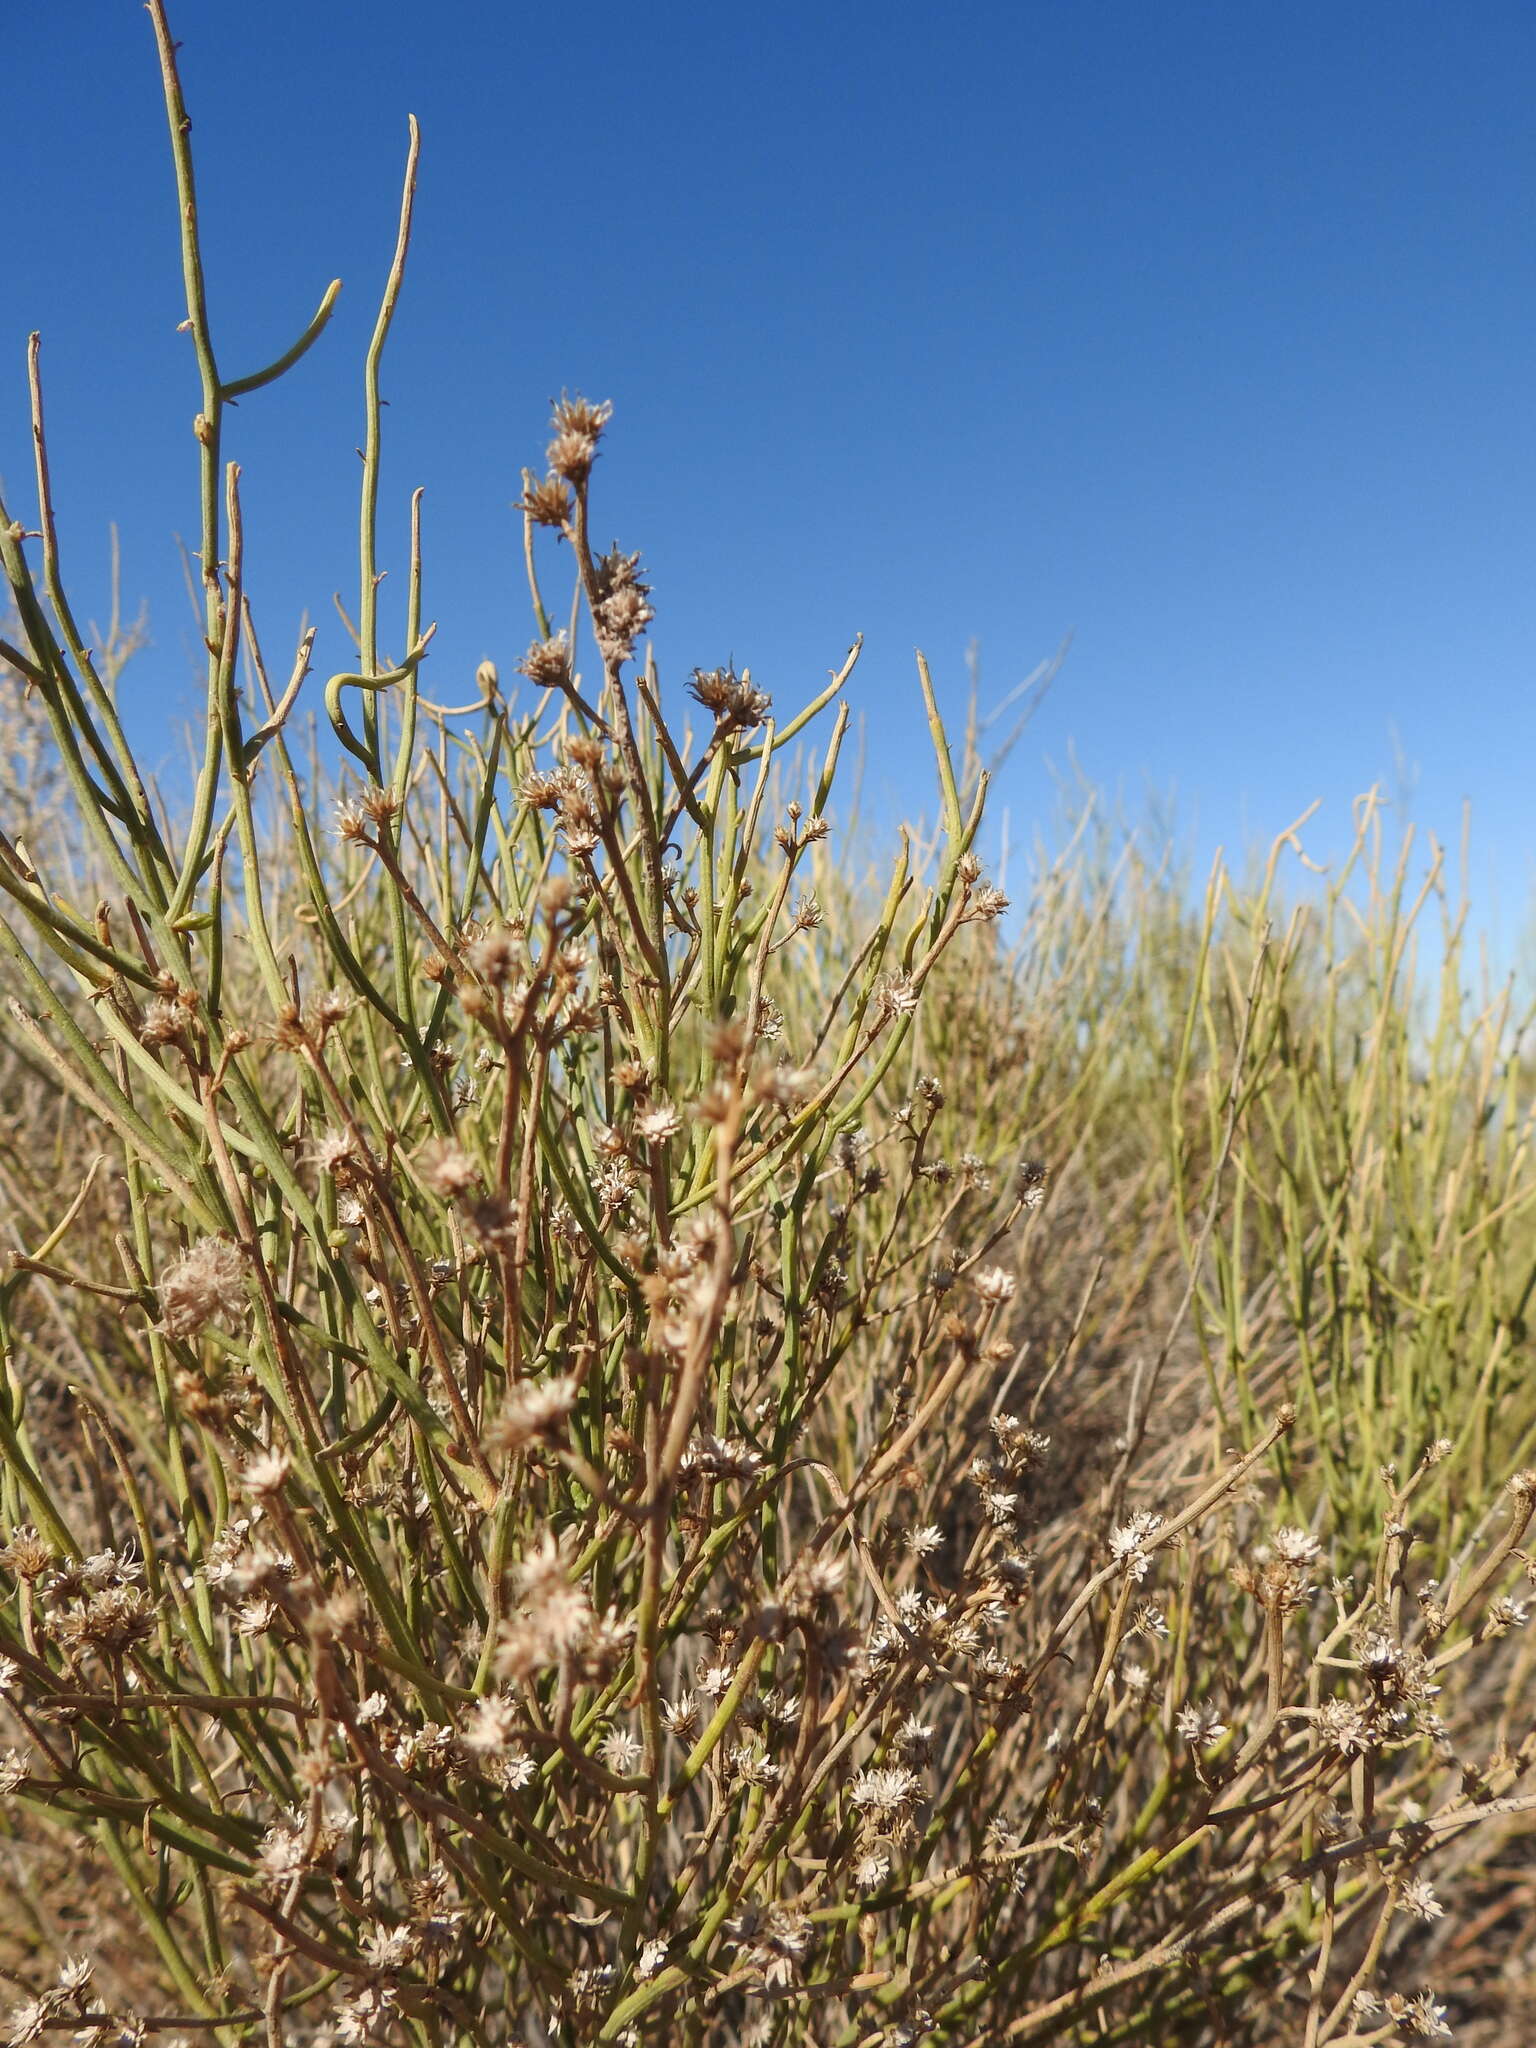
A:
[614,1431]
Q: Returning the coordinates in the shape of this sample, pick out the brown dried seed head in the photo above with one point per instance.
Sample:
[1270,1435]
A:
[547,500]
[620,610]
[726,1040]
[162,1023]
[335,1152]
[579,415]
[266,1473]
[352,822]
[331,1007]
[27,1555]
[534,1411]
[447,1169]
[578,428]
[547,664]
[733,699]
[493,956]
[556,895]
[1032,1182]
[572,456]
[208,1280]
[337,1615]
[380,804]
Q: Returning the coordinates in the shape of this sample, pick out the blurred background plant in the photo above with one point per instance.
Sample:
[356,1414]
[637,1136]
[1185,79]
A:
[615,1428]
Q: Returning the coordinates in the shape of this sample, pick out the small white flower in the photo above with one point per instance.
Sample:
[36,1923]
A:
[1126,1543]
[1200,1726]
[657,1124]
[390,1948]
[266,1473]
[891,1790]
[1344,1728]
[334,1151]
[1418,1898]
[513,1769]
[489,1726]
[620,1751]
[682,1714]
[256,1617]
[534,1409]
[752,1766]
[351,819]
[1426,2017]
[365,2013]
[1379,1656]
[914,1739]
[106,1568]
[75,1974]
[1293,1546]
[26,2022]
[282,1853]
[996,1285]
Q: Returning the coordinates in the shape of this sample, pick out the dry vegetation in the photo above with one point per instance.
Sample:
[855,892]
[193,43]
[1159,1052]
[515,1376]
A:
[611,1433]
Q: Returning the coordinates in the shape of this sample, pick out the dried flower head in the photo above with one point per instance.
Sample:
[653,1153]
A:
[898,996]
[447,1169]
[490,1726]
[162,1023]
[1127,1543]
[658,1123]
[1200,1726]
[26,1554]
[1031,1181]
[621,611]
[1418,1898]
[351,822]
[1292,1546]
[733,699]
[547,664]
[578,429]
[886,1793]
[534,1411]
[208,1280]
[546,500]
[555,1618]
[267,1473]
[335,1153]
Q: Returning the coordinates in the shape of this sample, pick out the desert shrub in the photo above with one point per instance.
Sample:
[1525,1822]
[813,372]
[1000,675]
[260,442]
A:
[611,1434]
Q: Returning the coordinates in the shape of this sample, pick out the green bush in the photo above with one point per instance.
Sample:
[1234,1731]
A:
[567,1475]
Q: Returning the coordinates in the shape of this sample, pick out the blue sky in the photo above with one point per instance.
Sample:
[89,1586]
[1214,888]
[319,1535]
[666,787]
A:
[1201,332]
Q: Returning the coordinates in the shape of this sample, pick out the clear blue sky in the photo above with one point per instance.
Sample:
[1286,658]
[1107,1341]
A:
[1204,332]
